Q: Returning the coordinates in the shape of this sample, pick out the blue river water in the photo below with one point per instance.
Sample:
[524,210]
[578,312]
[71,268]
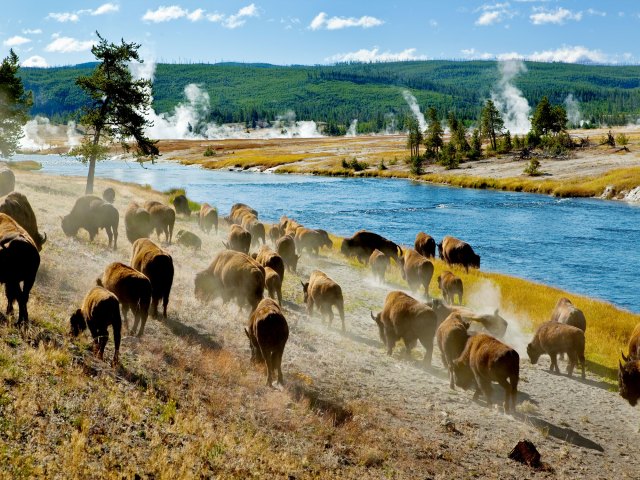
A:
[585,246]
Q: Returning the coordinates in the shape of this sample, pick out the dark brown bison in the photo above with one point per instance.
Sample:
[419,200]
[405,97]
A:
[404,317]
[239,239]
[312,240]
[231,275]
[493,324]
[137,222]
[188,239]
[416,270]
[7,180]
[273,284]
[92,214]
[157,265]
[268,333]
[208,218]
[566,312]
[286,248]
[629,381]
[457,252]
[634,345]
[268,258]
[163,218]
[450,285]
[486,359]
[275,232]
[18,207]
[425,245]
[100,308]
[553,338]
[181,204]
[323,292]
[19,263]
[363,243]
[109,195]
[452,337]
[379,262]
[133,290]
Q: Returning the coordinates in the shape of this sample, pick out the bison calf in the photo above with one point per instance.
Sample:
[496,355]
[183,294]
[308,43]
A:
[273,284]
[286,248]
[323,292]
[137,222]
[188,239]
[208,218]
[416,270]
[566,312]
[456,252]
[100,308]
[239,239]
[425,245]
[450,285]
[149,259]
[452,337]
[553,338]
[163,218]
[379,262]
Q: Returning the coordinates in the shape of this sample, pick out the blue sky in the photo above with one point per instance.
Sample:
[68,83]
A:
[324,31]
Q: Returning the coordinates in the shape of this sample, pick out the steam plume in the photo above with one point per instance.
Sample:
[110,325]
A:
[415,109]
[509,100]
[573,110]
[353,128]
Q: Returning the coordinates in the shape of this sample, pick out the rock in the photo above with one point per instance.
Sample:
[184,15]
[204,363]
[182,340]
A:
[633,195]
[527,453]
[7,180]
[609,192]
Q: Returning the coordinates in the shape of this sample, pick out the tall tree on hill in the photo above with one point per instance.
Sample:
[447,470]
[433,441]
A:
[491,123]
[14,105]
[117,109]
[433,138]
[415,138]
[548,118]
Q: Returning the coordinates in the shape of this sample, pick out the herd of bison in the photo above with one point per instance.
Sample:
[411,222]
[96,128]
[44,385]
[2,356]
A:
[470,344]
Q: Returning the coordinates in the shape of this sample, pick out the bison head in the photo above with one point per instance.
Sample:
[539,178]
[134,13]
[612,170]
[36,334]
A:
[475,261]
[345,247]
[629,381]
[78,323]
[256,352]
[440,251]
[381,332]
[69,227]
[204,287]
[462,374]
[534,353]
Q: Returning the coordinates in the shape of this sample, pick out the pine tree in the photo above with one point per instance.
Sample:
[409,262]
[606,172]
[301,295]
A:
[433,138]
[491,123]
[14,105]
[476,145]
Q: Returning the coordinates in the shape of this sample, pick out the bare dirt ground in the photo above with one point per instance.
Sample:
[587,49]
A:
[581,428]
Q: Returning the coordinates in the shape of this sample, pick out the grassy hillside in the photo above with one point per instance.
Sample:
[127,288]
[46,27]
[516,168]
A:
[369,92]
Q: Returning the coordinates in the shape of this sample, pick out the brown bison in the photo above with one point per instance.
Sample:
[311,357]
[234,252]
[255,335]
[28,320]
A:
[257,229]
[425,245]
[275,232]
[486,359]
[268,258]
[100,308]
[268,333]
[188,239]
[231,275]
[553,338]
[634,345]
[416,270]
[493,324]
[157,265]
[19,263]
[379,262]
[109,195]
[323,292]
[286,248]
[137,222]
[452,337]
[404,317]
[207,218]
[18,207]
[312,240]
[239,239]
[450,285]
[92,214]
[133,290]
[273,284]
[7,180]
[363,243]
[237,213]
[566,312]
[181,204]
[457,252]
[629,381]
[163,218]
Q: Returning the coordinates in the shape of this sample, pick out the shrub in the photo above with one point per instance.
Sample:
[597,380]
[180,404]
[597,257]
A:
[533,168]
[209,152]
[415,165]
[448,157]
[382,166]
[354,165]
[622,139]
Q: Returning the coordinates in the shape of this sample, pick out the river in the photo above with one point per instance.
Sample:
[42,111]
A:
[585,246]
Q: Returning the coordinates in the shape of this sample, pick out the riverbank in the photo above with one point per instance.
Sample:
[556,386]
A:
[186,401]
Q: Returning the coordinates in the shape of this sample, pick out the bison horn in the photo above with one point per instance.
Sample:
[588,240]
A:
[626,359]
[620,365]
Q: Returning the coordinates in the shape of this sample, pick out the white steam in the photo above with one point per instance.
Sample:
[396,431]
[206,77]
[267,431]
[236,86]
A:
[509,100]
[353,128]
[390,124]
[40,134]
[573,110]
[415,109]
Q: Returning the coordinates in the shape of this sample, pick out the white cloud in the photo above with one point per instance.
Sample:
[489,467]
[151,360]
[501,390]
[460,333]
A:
[375,55]
[239,19]
[35,61]
[164,14]
[592,11]
[215,17]
[64,17]
[175,12]
[15,41]
[105,8]
[492,14]
[68,44]
[196,15]
[433,23]
[322,21]
[564,54]
[29,31]
[559,16]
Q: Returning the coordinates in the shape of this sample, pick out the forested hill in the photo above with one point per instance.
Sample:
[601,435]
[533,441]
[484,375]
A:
[369,92]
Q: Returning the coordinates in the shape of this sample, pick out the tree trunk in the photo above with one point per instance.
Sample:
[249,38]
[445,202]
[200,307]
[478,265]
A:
[92,165]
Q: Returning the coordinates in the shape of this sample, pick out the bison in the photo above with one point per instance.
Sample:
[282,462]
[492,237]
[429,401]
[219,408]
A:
[629,381]
[92,214]
[566,312]
[163,218]
[157,265]
[634,345]
[231,275]
[268,333]
[181,204]
[137,222]
[286,248]
[425,245]
[379,262]
[239,239]
[18,207]
[553,338]
[237,213]
[7,180]
[312,240]
[450,285]
[257,229]
[275,232]
[273,283]
[404,317]
[363,243]
[457,252]
[100,308]
[493,323]
[268,258]
[486,359]
[188,239]
[416,270]
[323,292]
[19,263]
[133,290]
[208,218]
[452,337]
[109,195]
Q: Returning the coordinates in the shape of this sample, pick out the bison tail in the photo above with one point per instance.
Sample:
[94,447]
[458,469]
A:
[99,282]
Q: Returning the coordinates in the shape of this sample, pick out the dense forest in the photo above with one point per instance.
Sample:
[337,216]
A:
[372,93]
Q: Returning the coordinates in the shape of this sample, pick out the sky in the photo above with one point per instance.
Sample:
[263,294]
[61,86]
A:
[284,32]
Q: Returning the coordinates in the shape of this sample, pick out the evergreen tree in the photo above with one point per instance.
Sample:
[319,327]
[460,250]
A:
[476,145]
[491,123]
[458,134]
[14,105]
[414,138]
[433,138]
[542,120]
[505,143]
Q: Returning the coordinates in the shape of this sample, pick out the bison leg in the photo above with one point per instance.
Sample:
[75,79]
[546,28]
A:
[452,385]
[427,343]
[513,379]
[581,358]
[116,342]
[279,294]
[143,321]
[507,393]
[278,364]
[309,307]
[125,311]
[11,290]
[554,363]
[485,386]
[329,312]
[110,235]
[391,341]
[102,344]
[165,302]
[268,360]
[341,312]
[154,306]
